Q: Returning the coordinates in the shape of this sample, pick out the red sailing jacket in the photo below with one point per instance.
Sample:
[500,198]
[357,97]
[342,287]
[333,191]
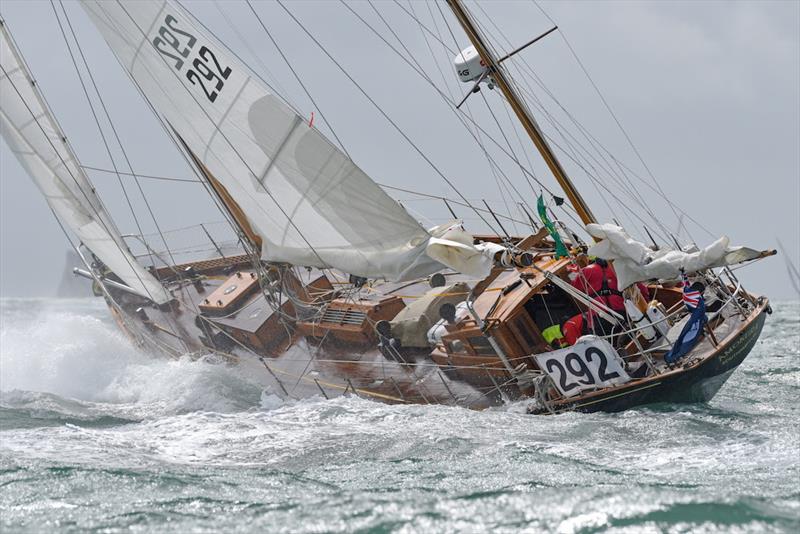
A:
[577,326]
[593,274]
[590,281]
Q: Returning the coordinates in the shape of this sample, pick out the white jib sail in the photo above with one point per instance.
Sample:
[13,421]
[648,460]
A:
[36,140]
[636,262]
[306,200]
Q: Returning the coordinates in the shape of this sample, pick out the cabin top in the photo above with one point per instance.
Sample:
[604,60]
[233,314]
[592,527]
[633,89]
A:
[512,288]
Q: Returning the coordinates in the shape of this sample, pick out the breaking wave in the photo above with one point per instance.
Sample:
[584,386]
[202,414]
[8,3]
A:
[61,357]
[99,436]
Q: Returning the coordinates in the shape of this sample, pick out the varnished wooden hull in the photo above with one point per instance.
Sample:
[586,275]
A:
[301,366]
[695,383]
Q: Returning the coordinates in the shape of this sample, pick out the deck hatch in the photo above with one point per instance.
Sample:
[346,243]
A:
[352,322]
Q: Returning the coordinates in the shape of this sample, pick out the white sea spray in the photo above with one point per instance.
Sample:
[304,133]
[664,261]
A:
[94,434]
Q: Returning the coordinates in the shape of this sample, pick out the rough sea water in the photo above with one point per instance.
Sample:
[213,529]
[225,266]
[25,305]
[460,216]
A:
[95,436]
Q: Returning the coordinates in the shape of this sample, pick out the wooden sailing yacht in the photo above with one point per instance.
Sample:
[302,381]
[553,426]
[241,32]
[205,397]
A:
[337,289]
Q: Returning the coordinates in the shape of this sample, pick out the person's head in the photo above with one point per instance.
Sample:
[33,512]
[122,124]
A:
[698,286]
[601,262]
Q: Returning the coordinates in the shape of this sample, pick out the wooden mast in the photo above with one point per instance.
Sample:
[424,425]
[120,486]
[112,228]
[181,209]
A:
[528,122]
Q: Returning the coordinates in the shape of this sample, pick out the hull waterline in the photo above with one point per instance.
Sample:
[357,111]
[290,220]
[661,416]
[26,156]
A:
[694,383]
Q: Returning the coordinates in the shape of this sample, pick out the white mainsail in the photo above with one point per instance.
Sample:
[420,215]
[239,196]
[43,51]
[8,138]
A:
[36,140]
[307,201]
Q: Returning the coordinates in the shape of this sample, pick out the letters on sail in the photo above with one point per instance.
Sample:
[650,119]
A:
[308,203]
[36,140]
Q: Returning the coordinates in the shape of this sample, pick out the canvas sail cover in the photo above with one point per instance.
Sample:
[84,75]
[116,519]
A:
[636,262]
[306,200]
[36,140]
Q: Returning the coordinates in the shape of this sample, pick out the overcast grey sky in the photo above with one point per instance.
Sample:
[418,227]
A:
[708,91]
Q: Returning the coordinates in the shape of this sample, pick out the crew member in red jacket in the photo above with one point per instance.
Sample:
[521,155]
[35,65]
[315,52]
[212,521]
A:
[577,326]
[599,281]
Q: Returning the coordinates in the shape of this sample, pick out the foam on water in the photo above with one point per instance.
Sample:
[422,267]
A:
[138,442]
[62,352]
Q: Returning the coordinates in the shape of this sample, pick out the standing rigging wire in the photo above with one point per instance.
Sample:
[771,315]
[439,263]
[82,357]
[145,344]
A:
[119,142]
[275,86]
[519,139]
[384,186]
[297,77]
[235,151]
[513,126]
[42,102]
[556,124]
[583,168]
[382,112]
[595,144]
[492,166]
[511,156]
[477,126]
[594,177]
[515,85]
[571,141]
[96,119]
[91,206]
[451,104]
[495,169]
[145,176]
[644,182]
[608,107]
[113,128]
[521,206]
[594,180]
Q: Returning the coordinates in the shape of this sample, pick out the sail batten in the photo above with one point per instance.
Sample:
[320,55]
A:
[36,139]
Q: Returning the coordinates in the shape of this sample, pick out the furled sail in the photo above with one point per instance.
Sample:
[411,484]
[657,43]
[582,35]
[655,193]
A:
[636,262]
[307,201]
[36,140]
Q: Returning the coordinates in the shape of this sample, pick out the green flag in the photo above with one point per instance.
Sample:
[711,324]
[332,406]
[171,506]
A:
[561,250]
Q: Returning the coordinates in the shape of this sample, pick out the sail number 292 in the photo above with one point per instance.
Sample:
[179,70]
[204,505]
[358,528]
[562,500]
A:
[589,364]
[205,70]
